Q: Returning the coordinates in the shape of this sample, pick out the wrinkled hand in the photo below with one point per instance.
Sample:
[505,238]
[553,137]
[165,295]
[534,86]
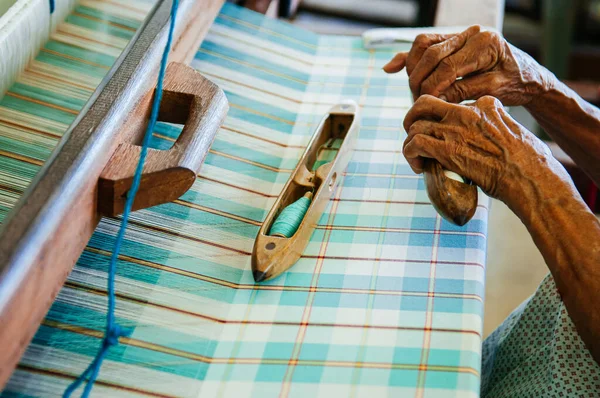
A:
[479,141]
[483,62]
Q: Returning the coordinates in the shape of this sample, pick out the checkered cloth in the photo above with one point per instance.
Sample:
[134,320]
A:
[387,299]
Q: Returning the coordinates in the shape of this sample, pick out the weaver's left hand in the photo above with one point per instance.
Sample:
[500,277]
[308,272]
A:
[479,141]
[469,65]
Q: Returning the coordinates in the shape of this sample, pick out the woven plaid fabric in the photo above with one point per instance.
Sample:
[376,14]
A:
[386,300]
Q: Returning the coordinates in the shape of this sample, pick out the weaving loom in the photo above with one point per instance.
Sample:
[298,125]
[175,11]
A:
[387,298]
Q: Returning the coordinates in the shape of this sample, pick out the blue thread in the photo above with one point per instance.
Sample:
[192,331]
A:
[114,331]
[52,6]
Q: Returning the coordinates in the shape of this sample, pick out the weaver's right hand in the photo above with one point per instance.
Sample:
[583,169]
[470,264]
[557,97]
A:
[470,65]
[481,142]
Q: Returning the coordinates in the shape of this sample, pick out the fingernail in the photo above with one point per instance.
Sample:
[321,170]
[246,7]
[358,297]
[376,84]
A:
[443,98]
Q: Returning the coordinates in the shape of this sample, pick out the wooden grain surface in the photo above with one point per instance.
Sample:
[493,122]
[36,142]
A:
[47,230]
[188,99]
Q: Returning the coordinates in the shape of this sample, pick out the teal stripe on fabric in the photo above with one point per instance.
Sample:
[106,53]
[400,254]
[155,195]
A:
[84,68]
[246,169]
[262,120]
[166,257]
[12,394]
[130,271]
[382,182]
[28,106]
[126,354]
[199,217]
[224,147]
[99,26]
[160,143]
[256,62]
[4,210]
[148,275]
[378,168]
[66,313]
[270,76]
[271,27]
[106,17]
[39,151]
[38,94]
[255,156]
[228,206]
[415,223]
[284,41]
[374,134]
[168,129]
[80,53]
[261,107]
[11,167]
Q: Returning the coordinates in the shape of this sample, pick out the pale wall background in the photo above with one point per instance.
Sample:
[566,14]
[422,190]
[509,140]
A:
[5,5]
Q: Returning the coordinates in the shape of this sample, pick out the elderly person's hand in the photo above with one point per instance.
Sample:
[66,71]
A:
[479,141]
[482,142]
[483,62]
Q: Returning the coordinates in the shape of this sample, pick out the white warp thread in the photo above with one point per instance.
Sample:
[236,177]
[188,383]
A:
[24,29]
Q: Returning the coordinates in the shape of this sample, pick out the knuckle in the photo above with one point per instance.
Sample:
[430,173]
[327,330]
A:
[487,101]
[420,101]
[491,37]
[417,142]
[487,35]
[425,99]
[418,127]
[422,39]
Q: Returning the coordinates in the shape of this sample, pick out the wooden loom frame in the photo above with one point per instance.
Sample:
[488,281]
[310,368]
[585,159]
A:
[92,167]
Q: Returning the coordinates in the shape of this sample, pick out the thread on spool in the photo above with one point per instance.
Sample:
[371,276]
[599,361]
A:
[286,225]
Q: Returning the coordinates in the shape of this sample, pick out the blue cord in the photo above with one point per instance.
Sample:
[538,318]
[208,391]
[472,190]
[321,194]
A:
[52,6]
[114,331]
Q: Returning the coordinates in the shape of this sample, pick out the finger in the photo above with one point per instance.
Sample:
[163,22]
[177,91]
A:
[421,44]
[396,64]
[421,147]
[421,127]
[425,127]
[428,108]
[476,56]
[470,88]
[433,55]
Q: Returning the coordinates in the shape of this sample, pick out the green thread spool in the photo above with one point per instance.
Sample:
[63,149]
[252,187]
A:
[286,225]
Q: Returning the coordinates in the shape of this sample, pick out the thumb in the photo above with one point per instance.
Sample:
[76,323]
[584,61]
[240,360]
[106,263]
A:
[469,88]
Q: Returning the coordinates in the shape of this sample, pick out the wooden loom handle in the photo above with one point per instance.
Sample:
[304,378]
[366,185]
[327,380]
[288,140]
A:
[454,200]
[189,99]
